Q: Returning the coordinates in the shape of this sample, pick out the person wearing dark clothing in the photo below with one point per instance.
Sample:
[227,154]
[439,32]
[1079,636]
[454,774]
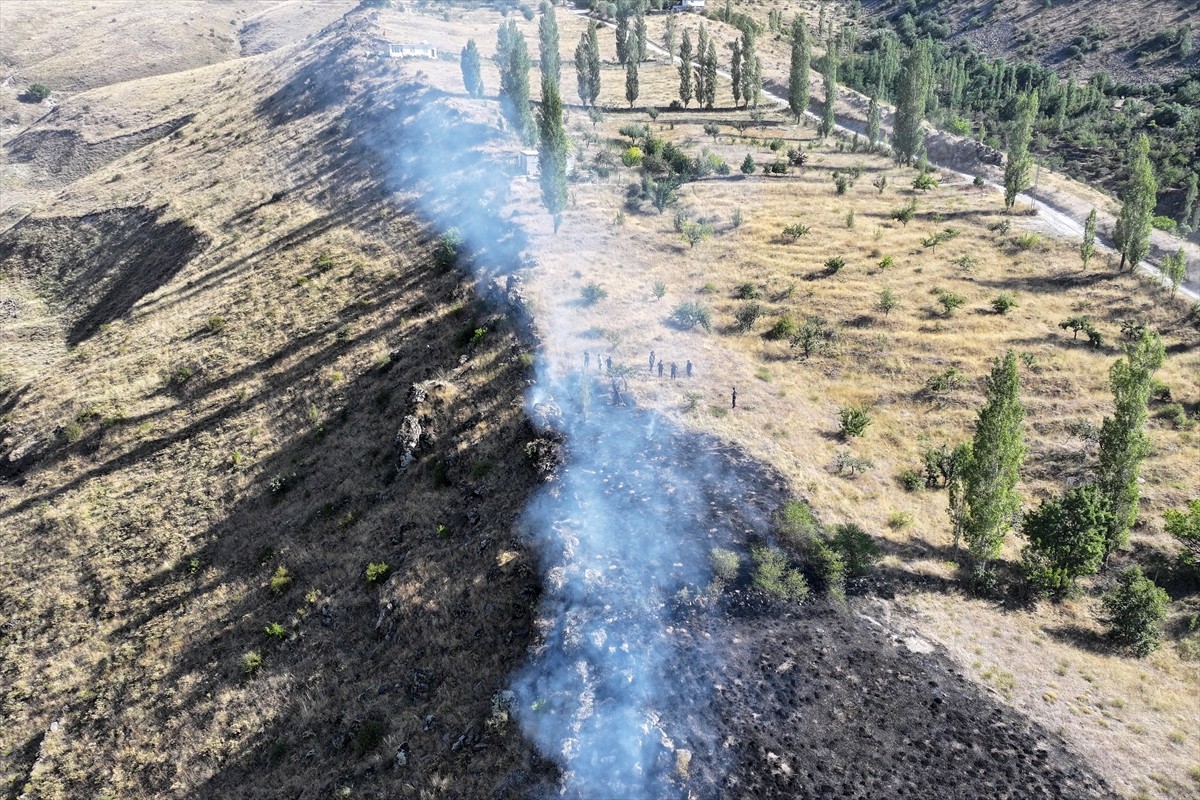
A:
[689,368]
[735,397]
[608,363]
[616,392]
[674,370]
[652,361]
[661,365]
[587,359]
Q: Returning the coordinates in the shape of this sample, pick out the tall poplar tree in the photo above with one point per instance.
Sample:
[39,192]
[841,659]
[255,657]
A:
[1016,170]
[552,152]
[639,31]
[631,79]
[1123,440]
[669,37]
[551,61]
[701,72]
[583,75]
[912,92]
[990,478]
[748,77]
[828,112]
[710,75]
[1190,219]
[798,74]
[472,75]
[1087,248]
[874,118]
[735,72]
[513,58]
[622,38]
[593,60]
[685,69]
[1131,234]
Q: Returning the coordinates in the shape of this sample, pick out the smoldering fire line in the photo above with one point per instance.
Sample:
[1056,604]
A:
[624,530]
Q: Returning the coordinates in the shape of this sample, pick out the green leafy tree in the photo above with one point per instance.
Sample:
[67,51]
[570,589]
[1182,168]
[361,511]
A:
[1066,539]
[828,113]
[990,479]
[552,152]
[694,232]
[853,421]
[1123,440]
[631,81]
[800,65]
[513,60]
[1087,248]
[551,61]
[1185,527]
[1136,608]
[685,69]
[1016,170]
[912,92]
[1131,234]
[471,72]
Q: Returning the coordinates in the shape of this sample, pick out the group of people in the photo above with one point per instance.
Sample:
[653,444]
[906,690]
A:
[606,364]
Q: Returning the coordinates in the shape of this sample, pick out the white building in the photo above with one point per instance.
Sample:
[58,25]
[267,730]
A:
[688,5]
[421,50]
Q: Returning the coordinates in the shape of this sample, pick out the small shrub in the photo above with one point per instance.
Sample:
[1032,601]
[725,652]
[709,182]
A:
[1176,414]
[748,314]
[794,232]
[913,480]
[72,432]
[846,462]
[370,734]
[947,380]
[660,290]
[281,581]
[950,301]
[774,577]
[708,288]
[275,631]
[900,520]
[905,213]
[447,249]
[748,165]
[377,572]
[725,564]
[925,181]
[592,293]
[857,547]
[1136,608]
[252,662]
[632,156]
[785,327]
[814,337]
[795,522]
[747,291]
[738,218]
[834,264]
[853,421]
[695,232]
[1027,241]
[215,324]
[36,92]
[688,315]
[887,262]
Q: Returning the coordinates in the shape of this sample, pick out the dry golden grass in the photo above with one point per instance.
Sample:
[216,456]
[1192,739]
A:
[163,499]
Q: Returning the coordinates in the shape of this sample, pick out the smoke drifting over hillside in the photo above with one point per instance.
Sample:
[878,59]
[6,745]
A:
[623,531]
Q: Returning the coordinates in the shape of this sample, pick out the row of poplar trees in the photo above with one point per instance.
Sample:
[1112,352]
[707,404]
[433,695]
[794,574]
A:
[547,132]
[1075,533]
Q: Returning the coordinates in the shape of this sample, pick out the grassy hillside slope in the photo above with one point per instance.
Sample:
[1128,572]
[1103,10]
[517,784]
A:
[215,342]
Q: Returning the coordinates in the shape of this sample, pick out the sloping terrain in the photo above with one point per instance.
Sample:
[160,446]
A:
[1132,43]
